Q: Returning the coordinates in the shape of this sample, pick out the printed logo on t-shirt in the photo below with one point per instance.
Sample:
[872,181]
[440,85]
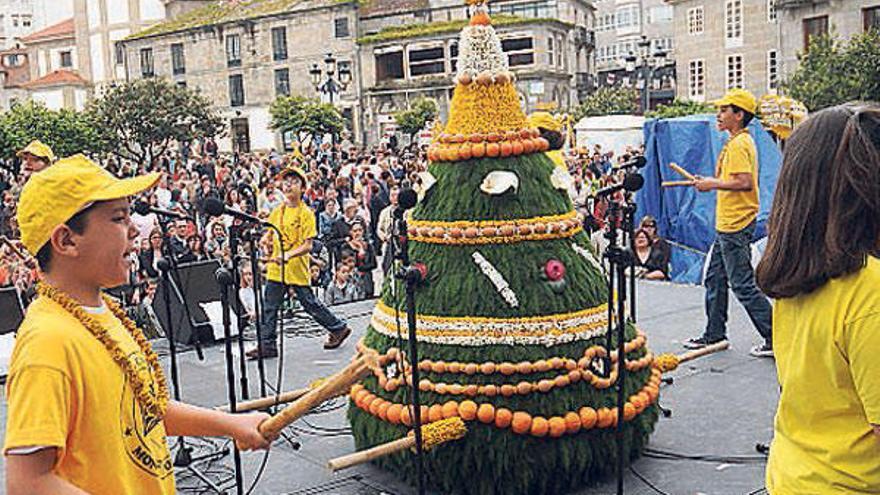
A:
[143,439]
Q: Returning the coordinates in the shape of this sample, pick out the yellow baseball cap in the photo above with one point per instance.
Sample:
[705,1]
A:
[37,148]
[545,121]
[293,171]
[59,192]
[741,98]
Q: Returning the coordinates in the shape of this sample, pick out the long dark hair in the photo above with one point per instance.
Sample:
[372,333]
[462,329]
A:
[825,219]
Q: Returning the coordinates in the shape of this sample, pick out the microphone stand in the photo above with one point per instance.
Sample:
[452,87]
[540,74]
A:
[235,231]
[412,278]
[225,279]
[629,212]
[619,259]
[182,458]
[258,303]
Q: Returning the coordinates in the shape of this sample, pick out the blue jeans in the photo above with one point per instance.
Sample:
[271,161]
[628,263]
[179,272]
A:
[274,296]
[730,263]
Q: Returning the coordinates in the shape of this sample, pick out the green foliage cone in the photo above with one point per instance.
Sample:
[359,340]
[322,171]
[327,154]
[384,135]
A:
[489,460]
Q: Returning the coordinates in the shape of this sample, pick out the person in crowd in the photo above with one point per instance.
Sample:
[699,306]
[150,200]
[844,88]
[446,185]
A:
[736,211]
[195,250]
[35,157]
[341,289]
[151,254]
[327,218]
[649,225]
[288,267]
[822,266]
[364,256]
[385,227]
[650,262]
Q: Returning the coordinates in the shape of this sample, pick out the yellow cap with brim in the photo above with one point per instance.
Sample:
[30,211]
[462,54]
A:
[741,98]
[545,121]
[59,192]
[293,171]
[39,149]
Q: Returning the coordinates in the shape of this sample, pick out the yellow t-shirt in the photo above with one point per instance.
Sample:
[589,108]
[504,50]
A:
[735,210]
[297,225]
[826,345]
[65,390]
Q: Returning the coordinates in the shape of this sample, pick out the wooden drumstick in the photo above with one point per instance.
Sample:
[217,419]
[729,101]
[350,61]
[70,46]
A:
[433,434]
[336,385]
[683,172]
[265,402]
[668,362]
[676,183]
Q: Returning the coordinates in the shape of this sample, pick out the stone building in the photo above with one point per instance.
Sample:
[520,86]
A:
[99,24]
[800,19]
[242,57]
[14,73]
[635,28]
[753,44]
[53,58]
[16,21]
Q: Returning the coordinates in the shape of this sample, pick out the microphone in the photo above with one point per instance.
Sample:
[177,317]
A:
[214,207]
[632,182]
[142,208]
[637,162]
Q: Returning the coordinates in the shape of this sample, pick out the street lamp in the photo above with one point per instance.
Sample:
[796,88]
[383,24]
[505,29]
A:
[645,68]
[324,80]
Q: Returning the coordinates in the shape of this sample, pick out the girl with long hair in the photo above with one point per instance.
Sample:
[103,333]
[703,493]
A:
[821,265]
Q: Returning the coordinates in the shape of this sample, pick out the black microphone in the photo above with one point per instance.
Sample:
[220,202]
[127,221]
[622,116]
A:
[637,162]
[214,207]
[142,208]
[632,182]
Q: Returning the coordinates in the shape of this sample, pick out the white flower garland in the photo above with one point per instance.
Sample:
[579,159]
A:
[480,51]
[547,330]
[586,253]
[496,278]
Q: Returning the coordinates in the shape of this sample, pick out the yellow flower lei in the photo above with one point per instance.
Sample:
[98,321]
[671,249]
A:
[153,402]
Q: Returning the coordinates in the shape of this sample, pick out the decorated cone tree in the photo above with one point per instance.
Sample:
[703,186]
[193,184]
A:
[512,315]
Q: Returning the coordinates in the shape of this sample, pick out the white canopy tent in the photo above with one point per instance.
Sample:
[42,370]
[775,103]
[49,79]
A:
[612,132]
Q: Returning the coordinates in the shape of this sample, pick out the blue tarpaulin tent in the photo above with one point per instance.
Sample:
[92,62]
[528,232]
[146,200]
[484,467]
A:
[684,216]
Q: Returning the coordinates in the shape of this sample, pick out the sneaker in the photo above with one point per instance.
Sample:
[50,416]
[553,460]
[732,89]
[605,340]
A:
[700,342]
[266,352]
[763,350]
[335,339]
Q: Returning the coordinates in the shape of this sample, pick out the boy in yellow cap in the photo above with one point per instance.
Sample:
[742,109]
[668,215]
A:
[736,209]
[288,266]
[88,405]
[36,156]
[551,130]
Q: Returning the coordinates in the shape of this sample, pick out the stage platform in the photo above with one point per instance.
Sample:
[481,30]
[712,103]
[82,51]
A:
[722,406]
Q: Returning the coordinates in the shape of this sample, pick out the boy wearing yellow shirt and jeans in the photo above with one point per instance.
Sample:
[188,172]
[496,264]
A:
[297,224]
[736,210]
[88,403]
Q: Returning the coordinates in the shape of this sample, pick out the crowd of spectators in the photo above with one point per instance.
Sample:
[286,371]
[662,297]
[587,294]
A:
[351,189]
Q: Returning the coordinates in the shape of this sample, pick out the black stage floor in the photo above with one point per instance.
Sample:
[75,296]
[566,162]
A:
[722,405]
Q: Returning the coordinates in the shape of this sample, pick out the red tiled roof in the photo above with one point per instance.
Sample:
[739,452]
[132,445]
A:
[63,28]
[57,78]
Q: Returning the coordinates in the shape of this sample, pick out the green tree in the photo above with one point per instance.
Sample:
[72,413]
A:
[420,112]
[67,132]
[834,72]
[679,108]
[611,100]
[143,118]
[305,117]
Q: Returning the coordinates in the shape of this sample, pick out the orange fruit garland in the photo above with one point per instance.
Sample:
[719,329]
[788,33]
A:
[450,409]
[557,426]
[572,422]
[486,413]
[521,423]
[468,410]
[540,427]
[589,417]
[503,417]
